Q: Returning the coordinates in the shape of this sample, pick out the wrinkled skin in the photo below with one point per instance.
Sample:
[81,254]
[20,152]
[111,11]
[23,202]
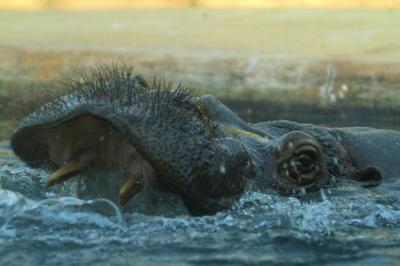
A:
[194,147]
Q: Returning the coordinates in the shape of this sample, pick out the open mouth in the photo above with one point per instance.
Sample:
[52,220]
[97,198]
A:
[87,143]
[158,136]
[113,122]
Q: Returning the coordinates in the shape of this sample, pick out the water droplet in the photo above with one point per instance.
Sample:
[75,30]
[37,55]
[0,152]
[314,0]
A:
[287,173]
[302,191]
[222,169]
[279,222]
[101,138]
[323,195]
[332,98]
[290,145]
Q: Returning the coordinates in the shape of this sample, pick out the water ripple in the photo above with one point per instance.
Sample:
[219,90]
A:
[353,225]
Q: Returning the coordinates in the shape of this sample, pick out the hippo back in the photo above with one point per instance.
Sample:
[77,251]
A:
[372,147]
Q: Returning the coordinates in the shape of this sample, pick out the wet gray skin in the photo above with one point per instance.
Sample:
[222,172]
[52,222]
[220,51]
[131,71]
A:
[194,147]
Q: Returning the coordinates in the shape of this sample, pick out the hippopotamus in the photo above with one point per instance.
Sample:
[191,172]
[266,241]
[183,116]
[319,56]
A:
[192,146]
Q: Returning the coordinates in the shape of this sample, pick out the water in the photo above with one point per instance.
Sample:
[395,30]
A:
[347,226]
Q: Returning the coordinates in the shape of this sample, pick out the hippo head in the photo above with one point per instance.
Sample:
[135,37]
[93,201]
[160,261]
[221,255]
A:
[295,159]
[157,136]
[167,139]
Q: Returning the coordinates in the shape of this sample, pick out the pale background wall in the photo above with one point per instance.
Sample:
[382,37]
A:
[107,4]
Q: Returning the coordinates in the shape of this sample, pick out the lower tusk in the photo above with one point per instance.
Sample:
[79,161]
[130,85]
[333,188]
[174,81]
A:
[65,172]
[129,189]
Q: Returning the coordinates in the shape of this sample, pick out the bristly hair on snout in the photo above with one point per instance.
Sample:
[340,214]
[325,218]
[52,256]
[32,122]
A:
[96,82]
[107,85]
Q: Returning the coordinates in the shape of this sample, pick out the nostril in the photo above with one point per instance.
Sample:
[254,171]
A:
[305,162]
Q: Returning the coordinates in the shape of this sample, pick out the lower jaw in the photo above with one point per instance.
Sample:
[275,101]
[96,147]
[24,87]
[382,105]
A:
[99,184]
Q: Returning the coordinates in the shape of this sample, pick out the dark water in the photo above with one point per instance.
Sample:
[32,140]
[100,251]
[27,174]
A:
[337,114]
[349,226]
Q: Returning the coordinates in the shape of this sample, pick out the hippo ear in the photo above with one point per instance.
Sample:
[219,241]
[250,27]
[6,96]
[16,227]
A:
[370,176]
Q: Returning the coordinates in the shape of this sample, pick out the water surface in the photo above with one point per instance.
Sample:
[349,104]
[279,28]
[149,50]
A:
[347,226]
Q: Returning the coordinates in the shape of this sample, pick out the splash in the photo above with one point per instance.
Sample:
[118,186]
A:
[348,224]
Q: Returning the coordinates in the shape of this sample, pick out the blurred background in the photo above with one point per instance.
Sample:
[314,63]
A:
[332,62]
[109,4]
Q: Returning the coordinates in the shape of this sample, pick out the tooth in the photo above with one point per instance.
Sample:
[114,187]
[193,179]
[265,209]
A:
[66,171]
[129,189]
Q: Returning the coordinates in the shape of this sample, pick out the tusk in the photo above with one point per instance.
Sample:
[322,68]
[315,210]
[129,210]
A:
[129,189]
[66,171]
